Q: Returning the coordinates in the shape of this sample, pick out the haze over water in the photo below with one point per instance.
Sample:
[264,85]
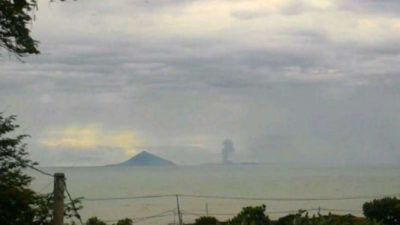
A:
[314,82]
[264,181]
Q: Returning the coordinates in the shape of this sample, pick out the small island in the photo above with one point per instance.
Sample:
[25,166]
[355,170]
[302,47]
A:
[145,158]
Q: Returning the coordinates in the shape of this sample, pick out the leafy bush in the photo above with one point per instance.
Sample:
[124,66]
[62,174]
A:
[293,219]
[206,220]
[386,210]
[95,221]
[125,221]
[251,216]
[302,218]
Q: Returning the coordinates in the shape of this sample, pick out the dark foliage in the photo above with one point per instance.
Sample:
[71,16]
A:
[206,220]
[95,221]
[125,221]
[386,210]
[251,216]
[19,205]
[302,218]
[15,19]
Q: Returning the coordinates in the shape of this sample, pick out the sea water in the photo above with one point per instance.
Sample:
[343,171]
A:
[254,181]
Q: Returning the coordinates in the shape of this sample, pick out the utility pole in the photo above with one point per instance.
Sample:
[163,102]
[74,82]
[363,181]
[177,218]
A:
[206,209]
[179,210]
[58,195]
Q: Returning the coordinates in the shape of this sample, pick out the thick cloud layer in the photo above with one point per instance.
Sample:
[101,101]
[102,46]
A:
[287,81]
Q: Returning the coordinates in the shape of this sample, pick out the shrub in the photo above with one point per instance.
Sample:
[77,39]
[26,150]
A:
[95,221]
[125,221]
[300,219]
[251,216]
[206,220]
[386,210]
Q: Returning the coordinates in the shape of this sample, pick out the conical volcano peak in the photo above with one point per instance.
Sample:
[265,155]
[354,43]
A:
[145,158]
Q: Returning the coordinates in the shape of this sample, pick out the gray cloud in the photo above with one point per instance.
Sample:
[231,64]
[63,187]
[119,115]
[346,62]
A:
[371,6]
[248,14]
[77,157]
[296,93]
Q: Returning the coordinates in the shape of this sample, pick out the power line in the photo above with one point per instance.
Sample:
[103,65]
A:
[191,213]
[284,199]
[233,214]
[341,210]
[185,212]
[140,219]
[77,215]
[289,211]
[151,217]
[241,198]
[128,198]
[331,198]
[40,171]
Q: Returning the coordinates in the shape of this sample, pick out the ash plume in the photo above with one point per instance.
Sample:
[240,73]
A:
[227,150]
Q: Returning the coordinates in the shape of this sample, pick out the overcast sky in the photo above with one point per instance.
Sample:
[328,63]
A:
[286,81]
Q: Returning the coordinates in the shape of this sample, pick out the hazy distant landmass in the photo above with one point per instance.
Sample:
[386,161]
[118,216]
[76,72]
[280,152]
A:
[229,163]
[146,159]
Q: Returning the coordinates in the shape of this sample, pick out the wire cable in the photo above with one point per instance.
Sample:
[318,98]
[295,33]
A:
[241,198]
[185,212]
[139,219]
[283,199]
[341,210]
[129,197]
[40,171]
[77,215]
[151,217]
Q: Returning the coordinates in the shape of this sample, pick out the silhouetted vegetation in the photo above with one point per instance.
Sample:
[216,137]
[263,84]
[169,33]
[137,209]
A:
[16,17]
[20,205]
[206,220]
[126,221]
[251,216]
[302,218]
[95,221]
[386,210]
[256,216]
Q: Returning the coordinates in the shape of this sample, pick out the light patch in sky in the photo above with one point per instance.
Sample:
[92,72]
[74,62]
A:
[46,99]
[90,137]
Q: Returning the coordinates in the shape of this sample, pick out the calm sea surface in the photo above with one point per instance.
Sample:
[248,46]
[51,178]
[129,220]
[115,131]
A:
[245,181]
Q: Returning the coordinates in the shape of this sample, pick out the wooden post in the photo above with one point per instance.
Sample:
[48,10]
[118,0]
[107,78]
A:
[58,195]
[179,211]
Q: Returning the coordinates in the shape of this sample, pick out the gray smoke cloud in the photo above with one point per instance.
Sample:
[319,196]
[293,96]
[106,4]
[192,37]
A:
[227,150]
